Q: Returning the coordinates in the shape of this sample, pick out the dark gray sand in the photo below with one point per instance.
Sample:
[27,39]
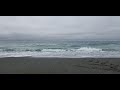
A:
[28,65]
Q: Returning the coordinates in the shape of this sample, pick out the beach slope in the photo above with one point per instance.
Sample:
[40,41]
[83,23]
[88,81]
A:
[29,65]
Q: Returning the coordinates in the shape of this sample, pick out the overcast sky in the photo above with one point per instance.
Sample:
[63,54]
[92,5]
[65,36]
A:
[80,27]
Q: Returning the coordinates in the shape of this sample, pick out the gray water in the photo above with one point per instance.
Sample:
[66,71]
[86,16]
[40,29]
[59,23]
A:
[61,48]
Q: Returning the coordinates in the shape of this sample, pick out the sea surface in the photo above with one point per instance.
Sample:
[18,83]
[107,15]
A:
[63,48]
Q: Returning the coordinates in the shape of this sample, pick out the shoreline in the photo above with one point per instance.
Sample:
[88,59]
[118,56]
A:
[53,65]
[65,57]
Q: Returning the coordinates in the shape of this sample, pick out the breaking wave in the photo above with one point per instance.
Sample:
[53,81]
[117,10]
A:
[58,52]
[87,49]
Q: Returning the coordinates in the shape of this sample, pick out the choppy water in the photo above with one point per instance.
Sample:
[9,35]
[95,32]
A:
[60,48]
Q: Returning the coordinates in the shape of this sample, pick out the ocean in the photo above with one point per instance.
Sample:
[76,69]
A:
[60,48]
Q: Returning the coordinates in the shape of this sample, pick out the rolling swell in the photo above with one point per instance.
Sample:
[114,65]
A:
[8,50]
[110,50]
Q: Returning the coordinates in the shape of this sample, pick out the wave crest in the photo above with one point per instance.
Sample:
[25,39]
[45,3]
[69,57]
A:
[89,49]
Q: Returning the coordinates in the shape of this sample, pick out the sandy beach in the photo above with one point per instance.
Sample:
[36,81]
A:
[29,65]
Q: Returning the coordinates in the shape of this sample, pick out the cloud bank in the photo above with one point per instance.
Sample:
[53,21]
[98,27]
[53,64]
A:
[71,27]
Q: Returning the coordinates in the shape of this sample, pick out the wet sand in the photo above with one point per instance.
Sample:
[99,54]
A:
[29,65]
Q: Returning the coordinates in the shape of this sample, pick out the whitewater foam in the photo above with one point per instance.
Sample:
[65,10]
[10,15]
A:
[53,50]
[59,49]
[89,49]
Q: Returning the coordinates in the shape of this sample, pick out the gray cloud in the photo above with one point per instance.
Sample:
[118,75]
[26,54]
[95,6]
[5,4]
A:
[73,27]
